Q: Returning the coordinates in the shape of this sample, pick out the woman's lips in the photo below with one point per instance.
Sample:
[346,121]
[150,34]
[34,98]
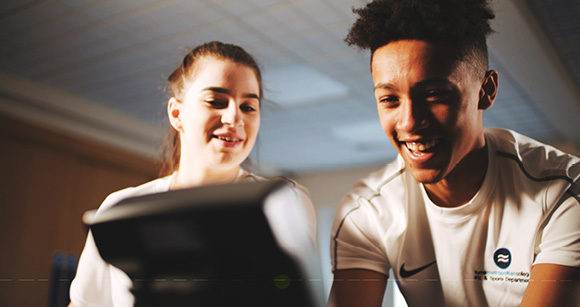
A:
[228,140]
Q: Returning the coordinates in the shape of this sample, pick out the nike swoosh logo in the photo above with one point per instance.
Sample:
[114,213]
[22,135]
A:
[404,273]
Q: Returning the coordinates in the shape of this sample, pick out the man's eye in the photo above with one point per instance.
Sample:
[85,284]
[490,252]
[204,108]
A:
[388,100]
[434,96]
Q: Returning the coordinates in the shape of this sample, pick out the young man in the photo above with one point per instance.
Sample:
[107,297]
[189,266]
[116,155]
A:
[465,216]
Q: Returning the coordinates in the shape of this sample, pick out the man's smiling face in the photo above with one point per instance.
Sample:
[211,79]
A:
[428,105]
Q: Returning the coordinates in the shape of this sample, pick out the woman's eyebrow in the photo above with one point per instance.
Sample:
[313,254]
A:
[251,95]
[217,89]
[227,91]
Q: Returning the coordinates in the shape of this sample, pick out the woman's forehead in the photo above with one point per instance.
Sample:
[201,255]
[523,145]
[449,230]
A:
[232,78]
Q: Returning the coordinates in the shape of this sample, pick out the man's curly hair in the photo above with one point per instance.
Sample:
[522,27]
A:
[464,23]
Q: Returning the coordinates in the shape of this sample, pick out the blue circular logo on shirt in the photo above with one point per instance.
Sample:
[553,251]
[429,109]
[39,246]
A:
[502,258]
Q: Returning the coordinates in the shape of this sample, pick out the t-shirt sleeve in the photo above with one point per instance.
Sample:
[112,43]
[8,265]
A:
[560,238]
[356,237]
[304,198]
[96,282]
[92,284]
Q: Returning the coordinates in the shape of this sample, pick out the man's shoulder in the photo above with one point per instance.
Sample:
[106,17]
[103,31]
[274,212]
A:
[390,176]
[533,158]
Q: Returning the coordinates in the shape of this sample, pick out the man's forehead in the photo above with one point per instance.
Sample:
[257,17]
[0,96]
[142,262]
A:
[407,55]
[417,48]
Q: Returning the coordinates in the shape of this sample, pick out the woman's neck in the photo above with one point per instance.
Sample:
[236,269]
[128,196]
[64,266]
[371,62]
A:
[188,178]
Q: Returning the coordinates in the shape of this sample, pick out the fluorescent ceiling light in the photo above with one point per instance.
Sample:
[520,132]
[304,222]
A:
[362,133]
[300,84]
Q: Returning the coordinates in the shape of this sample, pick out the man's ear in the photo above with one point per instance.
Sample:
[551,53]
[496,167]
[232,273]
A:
[174,114]
[488,90]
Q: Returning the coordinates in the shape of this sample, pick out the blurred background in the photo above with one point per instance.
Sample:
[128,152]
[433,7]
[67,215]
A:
[82,106]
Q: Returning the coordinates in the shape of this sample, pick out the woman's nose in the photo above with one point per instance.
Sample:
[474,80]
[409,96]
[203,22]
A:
[232,115]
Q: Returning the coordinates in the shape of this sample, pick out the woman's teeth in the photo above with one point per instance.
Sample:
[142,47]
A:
[419,147]
[223,138]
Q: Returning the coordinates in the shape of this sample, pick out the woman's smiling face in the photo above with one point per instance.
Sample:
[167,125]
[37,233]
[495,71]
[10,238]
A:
[219,115]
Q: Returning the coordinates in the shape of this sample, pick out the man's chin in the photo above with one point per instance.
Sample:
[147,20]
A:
[426,176]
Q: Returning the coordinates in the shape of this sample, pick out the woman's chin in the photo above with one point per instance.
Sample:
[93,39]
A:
[228,161]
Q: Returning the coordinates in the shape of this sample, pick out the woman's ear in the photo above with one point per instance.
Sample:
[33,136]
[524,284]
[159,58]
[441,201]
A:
[488,90]
[174,114]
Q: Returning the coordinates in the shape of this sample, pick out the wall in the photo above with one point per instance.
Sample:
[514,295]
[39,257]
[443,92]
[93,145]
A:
[48,180]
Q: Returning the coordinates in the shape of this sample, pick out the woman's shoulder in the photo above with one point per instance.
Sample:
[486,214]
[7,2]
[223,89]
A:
[251,177]
[246,176]
[158,185]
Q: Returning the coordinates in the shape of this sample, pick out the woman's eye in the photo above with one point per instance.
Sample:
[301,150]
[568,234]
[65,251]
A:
[247,108]
[217,103]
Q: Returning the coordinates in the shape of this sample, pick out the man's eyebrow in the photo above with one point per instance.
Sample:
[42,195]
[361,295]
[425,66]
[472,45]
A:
[384,86]
[432,80]
[227,91]
[390,86]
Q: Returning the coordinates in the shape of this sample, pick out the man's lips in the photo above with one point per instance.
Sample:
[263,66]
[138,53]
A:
[421,147]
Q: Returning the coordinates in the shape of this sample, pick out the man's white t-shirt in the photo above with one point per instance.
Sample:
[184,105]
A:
[526,212]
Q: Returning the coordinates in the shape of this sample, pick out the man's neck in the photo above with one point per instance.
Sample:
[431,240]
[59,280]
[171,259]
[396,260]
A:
[459,186]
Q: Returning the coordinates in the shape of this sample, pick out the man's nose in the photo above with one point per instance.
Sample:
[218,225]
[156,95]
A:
[412,116]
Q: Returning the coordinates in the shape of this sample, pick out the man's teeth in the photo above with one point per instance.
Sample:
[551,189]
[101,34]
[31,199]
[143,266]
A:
[223,138]
[417,147]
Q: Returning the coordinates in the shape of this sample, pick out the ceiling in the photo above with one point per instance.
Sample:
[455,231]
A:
[319,112]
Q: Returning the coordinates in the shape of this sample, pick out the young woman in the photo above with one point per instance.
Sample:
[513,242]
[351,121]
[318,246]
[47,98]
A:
[214,114]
